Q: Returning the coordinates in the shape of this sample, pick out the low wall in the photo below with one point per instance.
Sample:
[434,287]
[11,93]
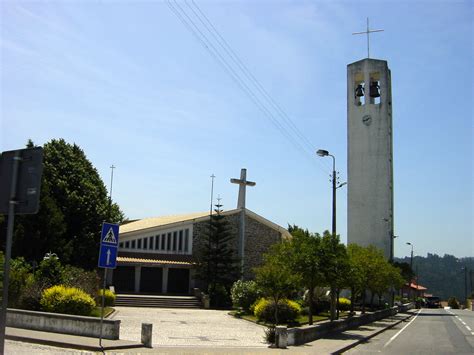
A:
[305,334]
[63,323]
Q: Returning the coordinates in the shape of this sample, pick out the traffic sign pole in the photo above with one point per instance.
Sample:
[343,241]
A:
[102,310]
[107,260]
[8,249]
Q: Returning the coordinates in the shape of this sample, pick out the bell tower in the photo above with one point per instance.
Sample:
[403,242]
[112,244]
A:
[370,166]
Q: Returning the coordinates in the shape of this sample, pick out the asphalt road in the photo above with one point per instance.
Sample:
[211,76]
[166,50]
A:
[431,331]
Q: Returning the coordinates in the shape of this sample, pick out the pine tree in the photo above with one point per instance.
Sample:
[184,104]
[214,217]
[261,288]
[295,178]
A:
[217,264]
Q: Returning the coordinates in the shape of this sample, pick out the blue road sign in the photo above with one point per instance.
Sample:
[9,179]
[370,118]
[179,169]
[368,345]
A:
[108,245]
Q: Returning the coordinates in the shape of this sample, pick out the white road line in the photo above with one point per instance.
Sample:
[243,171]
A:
[464,323]
[401,330]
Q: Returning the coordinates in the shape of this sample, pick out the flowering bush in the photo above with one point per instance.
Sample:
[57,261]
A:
[67,300]
[244,294]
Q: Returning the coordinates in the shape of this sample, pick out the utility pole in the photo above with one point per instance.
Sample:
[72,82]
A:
[112,167]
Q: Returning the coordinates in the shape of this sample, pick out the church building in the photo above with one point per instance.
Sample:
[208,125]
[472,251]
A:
[158,255]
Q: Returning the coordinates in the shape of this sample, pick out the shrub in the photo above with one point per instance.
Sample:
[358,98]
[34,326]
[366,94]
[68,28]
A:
[270,335]
[109,298]
[344,304]
[453,303]
[49,272]
[68,300]
[19,274]
[287,311]
[31,296]
[219,296]
[88,281]
[244,294]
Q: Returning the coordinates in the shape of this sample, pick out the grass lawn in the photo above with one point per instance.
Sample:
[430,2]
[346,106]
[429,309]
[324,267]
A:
[301,320]
[97,311]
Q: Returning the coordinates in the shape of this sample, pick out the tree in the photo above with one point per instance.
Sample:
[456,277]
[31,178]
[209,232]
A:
[217,265]
[305,261]
[355,275]
[73,204]
[333,262]
[275,277]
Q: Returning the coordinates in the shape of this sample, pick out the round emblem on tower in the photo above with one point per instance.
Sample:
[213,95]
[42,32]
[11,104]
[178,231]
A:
[367,120]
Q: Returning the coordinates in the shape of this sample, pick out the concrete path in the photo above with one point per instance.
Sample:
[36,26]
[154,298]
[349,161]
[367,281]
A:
[189,332]
[189,328]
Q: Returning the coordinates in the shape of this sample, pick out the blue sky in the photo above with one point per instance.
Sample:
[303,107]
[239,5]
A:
[131,85]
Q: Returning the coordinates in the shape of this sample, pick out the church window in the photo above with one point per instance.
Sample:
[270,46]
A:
[139,244]
[163,242]
[175,241]
[169,246]
[157,242]
[133,244]
[180,246]
[145,243]
[186,240]
[127,244]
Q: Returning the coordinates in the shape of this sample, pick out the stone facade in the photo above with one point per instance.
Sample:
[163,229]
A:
[258,239]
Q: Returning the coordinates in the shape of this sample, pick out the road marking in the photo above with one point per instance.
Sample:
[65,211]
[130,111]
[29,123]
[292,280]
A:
[401,330]
[464,323]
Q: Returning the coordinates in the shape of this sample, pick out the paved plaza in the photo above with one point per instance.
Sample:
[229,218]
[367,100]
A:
[189,328]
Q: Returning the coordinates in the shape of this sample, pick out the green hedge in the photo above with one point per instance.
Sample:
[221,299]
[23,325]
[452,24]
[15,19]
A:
[287,311]
[67,300]
[109,300]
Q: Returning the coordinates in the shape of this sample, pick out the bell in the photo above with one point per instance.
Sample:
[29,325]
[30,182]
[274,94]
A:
[359,90]
[374,89]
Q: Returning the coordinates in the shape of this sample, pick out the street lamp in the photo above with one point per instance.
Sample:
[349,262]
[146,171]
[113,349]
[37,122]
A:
[325,153]
[411,258]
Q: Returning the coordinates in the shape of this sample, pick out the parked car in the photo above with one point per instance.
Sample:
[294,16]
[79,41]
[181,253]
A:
[433,302]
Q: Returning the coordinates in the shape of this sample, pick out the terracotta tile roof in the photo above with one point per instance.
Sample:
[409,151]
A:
[156,222]
[150,258]
[417,287]
[127,260]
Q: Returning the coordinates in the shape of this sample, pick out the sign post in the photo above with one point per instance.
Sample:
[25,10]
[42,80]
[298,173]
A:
[20,185]
[107,259]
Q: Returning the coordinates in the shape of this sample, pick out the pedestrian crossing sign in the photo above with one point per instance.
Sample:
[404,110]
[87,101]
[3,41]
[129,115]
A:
[108,245]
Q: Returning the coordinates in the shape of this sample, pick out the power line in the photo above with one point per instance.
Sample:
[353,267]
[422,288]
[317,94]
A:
[302,144]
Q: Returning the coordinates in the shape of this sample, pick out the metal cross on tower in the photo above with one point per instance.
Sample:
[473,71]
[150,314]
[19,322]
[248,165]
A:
[243,183]
[368,39]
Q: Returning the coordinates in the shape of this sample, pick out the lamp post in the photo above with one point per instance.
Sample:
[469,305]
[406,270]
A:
[411,257]
[411,261]
[325,153]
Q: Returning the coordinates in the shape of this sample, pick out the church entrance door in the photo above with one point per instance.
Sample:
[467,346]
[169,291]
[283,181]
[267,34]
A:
[124,279]
[178,281]
[151,279]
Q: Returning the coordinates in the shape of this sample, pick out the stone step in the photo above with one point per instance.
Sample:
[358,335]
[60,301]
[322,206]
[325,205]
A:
[157,301]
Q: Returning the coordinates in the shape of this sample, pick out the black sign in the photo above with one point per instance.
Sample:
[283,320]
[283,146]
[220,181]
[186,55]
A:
[29,163]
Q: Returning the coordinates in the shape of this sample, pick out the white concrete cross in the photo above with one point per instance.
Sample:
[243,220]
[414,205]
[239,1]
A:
[367,32]
[243,183]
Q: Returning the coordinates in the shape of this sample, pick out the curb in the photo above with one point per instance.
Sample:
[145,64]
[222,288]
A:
[72,346]
[360,341]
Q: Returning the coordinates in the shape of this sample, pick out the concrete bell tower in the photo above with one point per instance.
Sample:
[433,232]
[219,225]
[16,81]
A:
[370,166]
